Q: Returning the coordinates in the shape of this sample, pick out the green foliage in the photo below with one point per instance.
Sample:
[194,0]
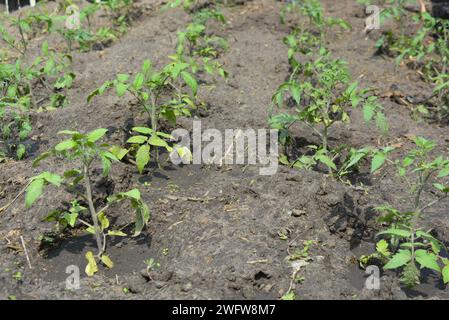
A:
[410,245]
[394,9]
[144,141]
[382,253]
[309,17]
[84,150]
[151,264]
[24,28]
[84,36]
[323,95]
[426,50]
[199,50]
[51,73]
[196,46]
[186,4]
[148,87]
[320,89]
[120,11]
[298,259]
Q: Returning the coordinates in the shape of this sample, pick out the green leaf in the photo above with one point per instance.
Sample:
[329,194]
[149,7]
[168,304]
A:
[137,139]
[190,81]
[21,150]
[396,232]
[121,89]
[90,230]
[382,248]
[143,130]
[107,261]
[72,173]
[435,243]
[33,192]
[289,296]
[156,141]
[142,157]
[52,178]
[378,160]
[104,221]
[122,77]
[116,233]
[71,218]
[44,49]
[444,172]
[95,135]
[91,267]
[66,145]
[134,194]
[327,161]
[42,156]
[106,164]
[399,259]
[165,135]
[138,81]
[68,132]
[283,159]
[296,92]
[368,111]
[99,91]
[146,66]
[142,217]
[407,161]
[445,273]
[441,187]
[381,122]
[427,260]
[119,152]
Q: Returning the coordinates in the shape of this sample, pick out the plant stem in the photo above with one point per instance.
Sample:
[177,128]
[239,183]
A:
[325,138]
[153,114]
[22,36]
[154,121]
[93,213]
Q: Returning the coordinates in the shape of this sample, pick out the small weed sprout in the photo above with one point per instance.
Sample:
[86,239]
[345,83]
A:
[298,259]
[151,265]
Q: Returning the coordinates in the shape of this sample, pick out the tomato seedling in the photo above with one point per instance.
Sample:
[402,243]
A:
[83,150]
[410,245]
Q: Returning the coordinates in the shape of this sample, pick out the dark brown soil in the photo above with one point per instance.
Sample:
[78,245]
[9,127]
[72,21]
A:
[228,245]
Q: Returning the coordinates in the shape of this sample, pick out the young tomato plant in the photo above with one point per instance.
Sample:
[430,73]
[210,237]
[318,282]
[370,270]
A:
[428,51]
[78,33]
[322,97]
[19,82]
[200,50]
[309,18]
[149,88]
[120,11]
[82,35]
[186,4]
[84,150]
[410,245]
[24,30]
